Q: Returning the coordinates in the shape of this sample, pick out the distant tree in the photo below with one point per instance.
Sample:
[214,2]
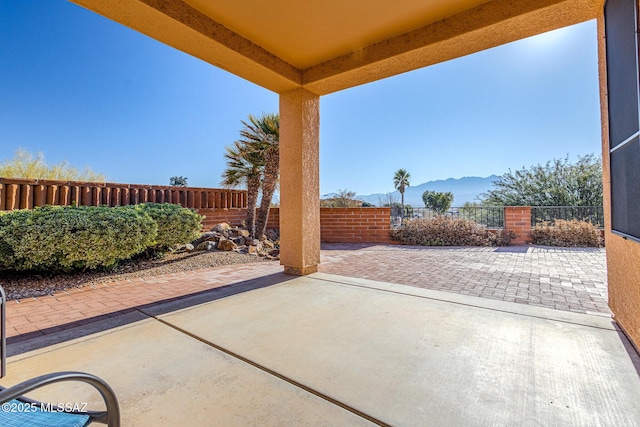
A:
[345,199]
[388,200]
[342,199]
[437,201]
[367,205]
[400,181]
[557,183]
[178,181]
[25,165]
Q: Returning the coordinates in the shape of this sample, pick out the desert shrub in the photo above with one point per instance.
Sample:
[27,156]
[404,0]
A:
[176,225]
[442,231]
[68,237]
[572,233]
[502,237]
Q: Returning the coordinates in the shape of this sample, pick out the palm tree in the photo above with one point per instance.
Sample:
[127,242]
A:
[244,167]
[269,147]
[400,182]
[254,160]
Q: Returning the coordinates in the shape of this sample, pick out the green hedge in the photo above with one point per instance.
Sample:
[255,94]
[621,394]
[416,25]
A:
[176,225]
[68,237]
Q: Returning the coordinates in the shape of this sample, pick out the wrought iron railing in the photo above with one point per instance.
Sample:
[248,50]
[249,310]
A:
[592,214]
[488,216]
[493,216]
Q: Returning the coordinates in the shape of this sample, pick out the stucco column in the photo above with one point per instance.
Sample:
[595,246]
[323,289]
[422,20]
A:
[299,182]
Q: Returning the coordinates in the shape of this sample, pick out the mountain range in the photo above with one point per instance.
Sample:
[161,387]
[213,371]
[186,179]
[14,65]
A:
[465,189]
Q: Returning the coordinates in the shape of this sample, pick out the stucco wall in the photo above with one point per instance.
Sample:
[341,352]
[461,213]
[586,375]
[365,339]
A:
[623,265]
[623,256]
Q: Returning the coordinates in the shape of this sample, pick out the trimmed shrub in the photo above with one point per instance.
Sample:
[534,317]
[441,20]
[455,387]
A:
[572,233]
[176,225]
[442,231]
[68,237]
[502,237]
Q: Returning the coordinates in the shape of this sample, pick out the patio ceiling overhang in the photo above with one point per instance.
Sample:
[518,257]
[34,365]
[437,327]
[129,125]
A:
[330,45]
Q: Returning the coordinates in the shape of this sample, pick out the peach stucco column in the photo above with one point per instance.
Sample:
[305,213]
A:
[299,182]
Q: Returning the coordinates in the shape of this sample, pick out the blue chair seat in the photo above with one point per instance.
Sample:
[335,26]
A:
[14,412]
[36,417]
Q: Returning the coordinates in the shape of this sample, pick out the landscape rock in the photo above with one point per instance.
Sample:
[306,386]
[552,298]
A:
[240,241]
[206,246]
[226,245]
[189,247]
[223,237]
[221,228]
[210,236]
[275,253]
[238,232]
[273,234]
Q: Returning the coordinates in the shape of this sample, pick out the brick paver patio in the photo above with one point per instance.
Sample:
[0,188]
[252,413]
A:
[572,279]
[565,279]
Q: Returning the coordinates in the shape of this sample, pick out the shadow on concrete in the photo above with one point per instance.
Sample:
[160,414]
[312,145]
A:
[78,329]
[634,353]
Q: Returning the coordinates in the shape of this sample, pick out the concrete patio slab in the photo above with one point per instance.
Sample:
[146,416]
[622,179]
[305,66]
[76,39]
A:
[407,359]
[165,378]
[332,350]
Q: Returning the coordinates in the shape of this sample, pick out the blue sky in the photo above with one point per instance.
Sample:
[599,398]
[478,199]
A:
[78,87]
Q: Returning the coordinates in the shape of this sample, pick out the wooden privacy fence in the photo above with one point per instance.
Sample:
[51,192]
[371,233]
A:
[30,193]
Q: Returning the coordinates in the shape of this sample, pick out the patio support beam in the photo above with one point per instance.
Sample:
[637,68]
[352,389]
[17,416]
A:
[488,25]
[299,182]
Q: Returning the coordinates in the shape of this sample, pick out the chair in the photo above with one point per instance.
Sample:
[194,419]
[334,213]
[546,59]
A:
[17,410]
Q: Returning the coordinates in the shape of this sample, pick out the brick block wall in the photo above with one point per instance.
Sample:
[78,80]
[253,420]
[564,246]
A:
[215,216]
[518,220]
[337,225]
[355,225]
[234,217]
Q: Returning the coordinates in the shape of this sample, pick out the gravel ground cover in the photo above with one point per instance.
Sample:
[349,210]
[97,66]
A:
[19,285]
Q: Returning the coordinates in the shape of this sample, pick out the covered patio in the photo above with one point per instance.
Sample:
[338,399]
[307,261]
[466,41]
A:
[311,348]
[331,350]
[303,51]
